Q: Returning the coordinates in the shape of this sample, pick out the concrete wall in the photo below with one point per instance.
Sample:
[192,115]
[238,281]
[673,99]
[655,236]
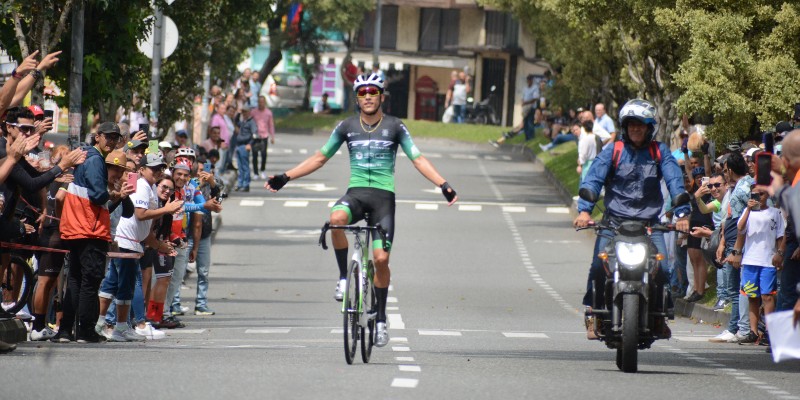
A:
[471,28]
[526,42]
[440,75]
[408,28]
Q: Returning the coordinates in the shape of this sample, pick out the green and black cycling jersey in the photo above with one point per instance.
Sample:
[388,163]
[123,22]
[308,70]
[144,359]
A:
[373,151]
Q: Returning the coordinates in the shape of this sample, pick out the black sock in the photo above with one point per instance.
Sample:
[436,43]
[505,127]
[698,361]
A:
[38,322]
[341,259]
[380,295]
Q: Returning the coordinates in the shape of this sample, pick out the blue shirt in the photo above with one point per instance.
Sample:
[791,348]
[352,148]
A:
[606,122]
[634,191]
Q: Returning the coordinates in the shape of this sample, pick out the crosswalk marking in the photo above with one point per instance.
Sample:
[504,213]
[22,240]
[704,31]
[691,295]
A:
[401,348]
[295,204]
[531,335]
[391,299]
[399,339]
[405,359]
[405,383]
[513,209]
[251,203]
[395,321]
[409,368]
[426,206]
[470,207]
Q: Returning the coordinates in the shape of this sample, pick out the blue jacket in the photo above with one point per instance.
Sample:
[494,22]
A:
[634,192]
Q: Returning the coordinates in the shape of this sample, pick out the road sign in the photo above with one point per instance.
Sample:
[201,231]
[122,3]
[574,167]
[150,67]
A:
[169,44]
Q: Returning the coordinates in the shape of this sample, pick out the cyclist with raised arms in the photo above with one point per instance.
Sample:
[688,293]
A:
[372,138]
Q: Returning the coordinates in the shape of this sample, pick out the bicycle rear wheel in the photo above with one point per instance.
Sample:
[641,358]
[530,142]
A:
[369,334]
[16,285]
[350,315]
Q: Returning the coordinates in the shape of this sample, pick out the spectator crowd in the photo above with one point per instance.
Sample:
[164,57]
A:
[115,225]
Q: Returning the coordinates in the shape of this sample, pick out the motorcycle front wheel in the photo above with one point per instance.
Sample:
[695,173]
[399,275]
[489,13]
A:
[627,354]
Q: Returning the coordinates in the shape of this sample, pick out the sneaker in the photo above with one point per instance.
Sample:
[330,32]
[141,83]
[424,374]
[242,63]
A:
[203,310]
[166,323]
[494,143]
[720,305]
[92,337]
[736,338]
[750,337]
[544,147]
[104,330]
[263,175]
[24,315]
[694,297]
[382,336]
[725,337]
[62,337]
[341,287]
[181,310]
[191,267]
[150,333]
[44,334]
[764,340]
[128,335]
[172,321]
[245,189]
[661,329]
[253,176]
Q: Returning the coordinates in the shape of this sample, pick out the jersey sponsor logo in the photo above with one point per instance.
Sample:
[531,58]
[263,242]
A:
[352,134]
[371,143]
[385,133]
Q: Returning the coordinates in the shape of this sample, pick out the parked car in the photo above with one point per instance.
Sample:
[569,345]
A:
[284,90]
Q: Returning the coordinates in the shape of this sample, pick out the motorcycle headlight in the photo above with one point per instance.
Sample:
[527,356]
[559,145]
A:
[631,254]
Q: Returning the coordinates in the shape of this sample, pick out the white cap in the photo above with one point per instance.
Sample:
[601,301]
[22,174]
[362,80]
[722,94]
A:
[751,151]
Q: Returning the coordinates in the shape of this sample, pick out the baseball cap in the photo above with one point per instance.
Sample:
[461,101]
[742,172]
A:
[36,110]
[182,165]
[752,151]
[117,158]
[165,145]
[154,160]
[108,127]
[181,133]
[134,144]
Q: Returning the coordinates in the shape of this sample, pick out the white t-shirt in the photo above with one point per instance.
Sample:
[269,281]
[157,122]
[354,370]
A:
[531,92]
[601,132]
[763,229]
[587,147]
[460,93]
[131,231]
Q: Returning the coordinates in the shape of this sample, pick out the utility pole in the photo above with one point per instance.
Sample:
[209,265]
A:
[376,40]
[155,78]
[76,76]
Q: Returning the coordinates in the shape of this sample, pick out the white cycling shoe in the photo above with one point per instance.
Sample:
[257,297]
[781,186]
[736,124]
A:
[341,287]
[382,336]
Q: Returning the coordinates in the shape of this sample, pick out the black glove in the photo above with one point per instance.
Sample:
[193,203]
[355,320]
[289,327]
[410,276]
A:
[278,181]
[704,147]
[448,192]
[685,145]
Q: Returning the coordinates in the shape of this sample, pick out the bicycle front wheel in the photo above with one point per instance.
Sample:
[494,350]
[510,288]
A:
[350,315]
[369,334]
[16,285]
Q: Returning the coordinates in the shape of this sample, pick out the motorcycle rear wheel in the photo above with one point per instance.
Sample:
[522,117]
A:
[627,354]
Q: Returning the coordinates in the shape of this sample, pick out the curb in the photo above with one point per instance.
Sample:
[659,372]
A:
[701,313]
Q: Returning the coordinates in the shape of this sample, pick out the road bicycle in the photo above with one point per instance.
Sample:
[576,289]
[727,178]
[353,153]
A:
[359,305]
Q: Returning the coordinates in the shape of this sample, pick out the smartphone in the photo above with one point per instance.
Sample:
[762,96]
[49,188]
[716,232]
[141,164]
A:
[145,128]
[132,178]
[763,169]
[769,142]
[152,147]
[49,114]
[207,166]
[704,181]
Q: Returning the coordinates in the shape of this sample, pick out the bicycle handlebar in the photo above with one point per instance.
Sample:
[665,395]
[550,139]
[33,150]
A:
[354,229]
[654,227]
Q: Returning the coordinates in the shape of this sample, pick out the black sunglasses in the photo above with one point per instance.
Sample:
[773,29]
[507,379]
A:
[714,185]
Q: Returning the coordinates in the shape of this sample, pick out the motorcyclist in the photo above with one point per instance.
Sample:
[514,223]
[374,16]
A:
[631,173]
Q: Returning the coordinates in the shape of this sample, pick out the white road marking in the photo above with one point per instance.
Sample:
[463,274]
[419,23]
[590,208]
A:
[399,339]
[530,335]
[288,151]
[470,207]
[547,241]
[268,330]
[507,158]
[692,338]
[497,194]
[405,359]
[391,299]
[395,321]
[513,209]
[251,203]
[400,348]
[557,210]
[405,383]
[337,330]
[489,158]
[409,368]
[339,152]
[431,155]
[331,204]
[426,206]
[295,204]
[391,287]
[187,331]
[438,333]
[392,308]
[464,156]
[303,151]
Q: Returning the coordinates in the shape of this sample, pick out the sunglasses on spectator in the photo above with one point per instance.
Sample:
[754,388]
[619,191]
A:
[370,90]
[169,189]
[713,185]
[112,137]
[23,128]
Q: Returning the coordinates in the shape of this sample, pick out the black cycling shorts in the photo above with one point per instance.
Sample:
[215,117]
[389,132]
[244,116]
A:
[148,258]
[50,263]
[163,265]
[378,204]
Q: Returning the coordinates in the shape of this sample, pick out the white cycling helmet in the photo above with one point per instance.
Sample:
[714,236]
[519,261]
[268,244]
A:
[185,152]
[642,111]
[373,80]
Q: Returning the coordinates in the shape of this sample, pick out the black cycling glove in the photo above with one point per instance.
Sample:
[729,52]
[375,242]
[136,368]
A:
[448,192]
[278,181]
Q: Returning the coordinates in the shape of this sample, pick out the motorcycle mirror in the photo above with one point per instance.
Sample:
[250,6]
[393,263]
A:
[588,195]
[493,88]
[681,199]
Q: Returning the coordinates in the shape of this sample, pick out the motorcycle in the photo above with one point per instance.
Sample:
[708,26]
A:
[482,112]
[631,320]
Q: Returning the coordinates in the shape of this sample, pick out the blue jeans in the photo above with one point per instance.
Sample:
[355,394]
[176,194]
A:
[120,280]
[173,300]
[563,138]
[678,277]
[528,125]
[137,306]
[598,275]
[243,163]
[790,276]
[203,265]
[459,112]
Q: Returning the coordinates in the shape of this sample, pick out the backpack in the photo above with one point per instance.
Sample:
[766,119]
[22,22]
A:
[619,145]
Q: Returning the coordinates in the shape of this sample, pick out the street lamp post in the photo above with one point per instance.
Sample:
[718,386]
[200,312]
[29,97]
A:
[376,40]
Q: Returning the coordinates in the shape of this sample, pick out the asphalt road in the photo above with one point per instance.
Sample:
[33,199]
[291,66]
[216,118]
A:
[485,302]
